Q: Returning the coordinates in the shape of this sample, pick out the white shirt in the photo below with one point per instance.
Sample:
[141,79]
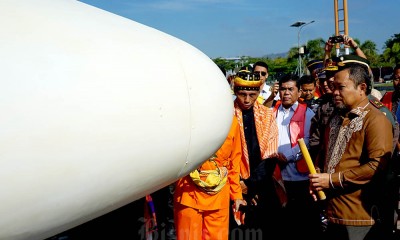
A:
[265,92]
[290,173]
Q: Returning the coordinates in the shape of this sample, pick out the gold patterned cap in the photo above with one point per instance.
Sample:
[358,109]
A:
[245,80]
[315,64]
[345,61]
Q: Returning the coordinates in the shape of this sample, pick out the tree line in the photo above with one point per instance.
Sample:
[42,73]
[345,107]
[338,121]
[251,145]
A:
[314,49]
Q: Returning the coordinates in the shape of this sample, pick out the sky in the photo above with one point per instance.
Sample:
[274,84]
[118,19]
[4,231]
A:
[234,28]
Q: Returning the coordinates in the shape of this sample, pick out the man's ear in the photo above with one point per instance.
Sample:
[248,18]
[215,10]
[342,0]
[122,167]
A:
[363,87]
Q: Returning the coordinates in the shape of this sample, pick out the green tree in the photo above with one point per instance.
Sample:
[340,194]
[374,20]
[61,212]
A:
[292,59]
[280,66]
[371,52]
[314,49]
[293,54]
[391,53]
[226,64]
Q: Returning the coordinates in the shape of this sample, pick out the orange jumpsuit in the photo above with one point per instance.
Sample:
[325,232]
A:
[200,216]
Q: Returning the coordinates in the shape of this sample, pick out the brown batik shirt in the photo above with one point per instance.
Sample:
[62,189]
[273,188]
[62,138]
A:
[359,147]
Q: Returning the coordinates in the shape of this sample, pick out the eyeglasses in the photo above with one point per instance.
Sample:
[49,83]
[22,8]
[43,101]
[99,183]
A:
[291,89]
[262,73]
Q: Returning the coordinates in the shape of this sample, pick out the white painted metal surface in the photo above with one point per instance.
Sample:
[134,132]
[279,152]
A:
[97,111]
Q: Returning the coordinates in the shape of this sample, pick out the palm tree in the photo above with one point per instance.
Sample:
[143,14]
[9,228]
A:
[371,52]
[391,53]
[315,49]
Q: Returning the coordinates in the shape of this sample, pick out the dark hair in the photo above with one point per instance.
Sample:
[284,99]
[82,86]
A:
[397,67]
[261,64]
[247,68]
[307,79]
[360,74]
[290,77]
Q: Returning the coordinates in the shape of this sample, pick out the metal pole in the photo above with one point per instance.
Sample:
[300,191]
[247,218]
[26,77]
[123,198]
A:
[298,68]
[336,8]
[300,64]
[346,25]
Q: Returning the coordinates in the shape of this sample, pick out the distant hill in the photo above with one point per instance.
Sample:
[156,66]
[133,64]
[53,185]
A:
[276,55]
[269,55]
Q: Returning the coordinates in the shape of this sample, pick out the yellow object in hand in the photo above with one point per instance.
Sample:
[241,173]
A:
[310,164]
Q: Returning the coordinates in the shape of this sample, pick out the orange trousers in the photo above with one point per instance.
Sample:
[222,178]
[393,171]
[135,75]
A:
[195,224]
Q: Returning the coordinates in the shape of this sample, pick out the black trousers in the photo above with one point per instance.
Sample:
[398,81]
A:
[303,214]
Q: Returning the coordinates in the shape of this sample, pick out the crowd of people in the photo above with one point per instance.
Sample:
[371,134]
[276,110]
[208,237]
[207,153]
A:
[258,185]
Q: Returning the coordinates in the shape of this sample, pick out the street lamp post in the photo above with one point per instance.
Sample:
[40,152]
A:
[300,25]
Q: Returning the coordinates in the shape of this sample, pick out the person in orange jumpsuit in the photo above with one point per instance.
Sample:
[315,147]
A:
[203,213]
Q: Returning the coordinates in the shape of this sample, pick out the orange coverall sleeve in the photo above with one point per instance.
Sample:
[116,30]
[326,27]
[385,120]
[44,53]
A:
[235,159]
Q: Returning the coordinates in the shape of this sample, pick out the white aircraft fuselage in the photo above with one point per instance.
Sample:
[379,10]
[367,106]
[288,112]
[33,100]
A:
[97,111]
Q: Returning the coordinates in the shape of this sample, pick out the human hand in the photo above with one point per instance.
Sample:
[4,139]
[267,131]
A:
[237,203]
[274,89]
[254,200]
[319,181]
[313,195]
[349,41]
[282,160]
[238,216]
[328,46]
[243,186]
